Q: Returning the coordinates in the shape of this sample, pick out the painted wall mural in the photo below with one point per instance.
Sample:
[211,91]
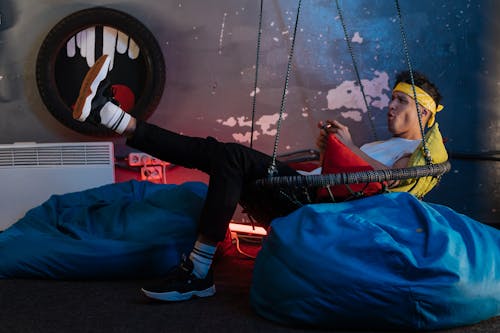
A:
[137,70]
[209,50]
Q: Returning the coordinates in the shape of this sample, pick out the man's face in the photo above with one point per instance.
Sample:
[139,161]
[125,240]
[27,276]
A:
[402,118]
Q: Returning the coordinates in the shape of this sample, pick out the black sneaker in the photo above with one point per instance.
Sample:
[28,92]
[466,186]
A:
[94,92]
[181,284]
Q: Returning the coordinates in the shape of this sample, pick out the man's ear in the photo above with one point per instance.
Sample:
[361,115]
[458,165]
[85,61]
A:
[425,113]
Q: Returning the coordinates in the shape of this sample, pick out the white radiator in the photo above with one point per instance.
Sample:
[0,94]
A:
[31,172]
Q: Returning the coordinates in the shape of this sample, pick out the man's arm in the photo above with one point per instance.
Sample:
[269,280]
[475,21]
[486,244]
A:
[343,134]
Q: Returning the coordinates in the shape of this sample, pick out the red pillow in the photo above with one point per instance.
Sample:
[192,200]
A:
[125,96]
[339,158]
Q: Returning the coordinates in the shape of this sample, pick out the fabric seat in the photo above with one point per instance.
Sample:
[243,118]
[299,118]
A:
[123,230]
[388,261]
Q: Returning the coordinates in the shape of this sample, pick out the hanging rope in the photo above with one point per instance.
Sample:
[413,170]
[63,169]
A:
[272,170]
[356,71]
[427,153]
[254,99]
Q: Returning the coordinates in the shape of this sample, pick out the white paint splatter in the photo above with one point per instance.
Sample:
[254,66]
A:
[305,112]
[357,38]
[264,125]
[243,123]
[230,122]
[221,35]
[354,115]
[267,121]
[252,93]
[245,137]
[348,96]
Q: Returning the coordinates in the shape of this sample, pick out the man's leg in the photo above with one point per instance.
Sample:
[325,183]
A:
[229,167]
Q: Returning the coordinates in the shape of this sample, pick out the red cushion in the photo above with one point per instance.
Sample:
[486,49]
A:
[304,166]
[124,96]
[339,158]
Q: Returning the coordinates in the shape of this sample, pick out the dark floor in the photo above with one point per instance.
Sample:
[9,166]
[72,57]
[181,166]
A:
[118,306]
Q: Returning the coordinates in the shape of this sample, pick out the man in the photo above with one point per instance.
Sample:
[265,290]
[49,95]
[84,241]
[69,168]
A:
[402,122]
[232,167]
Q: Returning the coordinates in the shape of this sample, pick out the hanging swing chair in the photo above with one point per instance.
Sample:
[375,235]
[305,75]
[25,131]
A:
[388,262]
[425,168]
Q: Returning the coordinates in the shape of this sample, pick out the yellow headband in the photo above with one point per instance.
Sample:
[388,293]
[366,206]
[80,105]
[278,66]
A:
[423,99]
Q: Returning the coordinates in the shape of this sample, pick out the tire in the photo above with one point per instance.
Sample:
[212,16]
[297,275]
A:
[59,77]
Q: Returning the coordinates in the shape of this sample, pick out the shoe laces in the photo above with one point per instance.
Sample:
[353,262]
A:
[184,269]
[107,91]
[186,264]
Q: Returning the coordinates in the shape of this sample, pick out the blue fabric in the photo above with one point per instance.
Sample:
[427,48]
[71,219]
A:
[386,262]
[124,230]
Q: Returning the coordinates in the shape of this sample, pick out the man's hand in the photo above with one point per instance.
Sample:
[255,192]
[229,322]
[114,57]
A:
[322,136]
[333,127]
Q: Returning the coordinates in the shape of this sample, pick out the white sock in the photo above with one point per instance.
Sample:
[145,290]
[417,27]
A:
[113,117]
[202,256]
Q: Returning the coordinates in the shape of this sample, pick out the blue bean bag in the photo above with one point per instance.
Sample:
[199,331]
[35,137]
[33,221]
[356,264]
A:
[384,262]
[124,230]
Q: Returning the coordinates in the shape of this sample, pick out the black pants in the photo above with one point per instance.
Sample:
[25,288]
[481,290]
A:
[232,168]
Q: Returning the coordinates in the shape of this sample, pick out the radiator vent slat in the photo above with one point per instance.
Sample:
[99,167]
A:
[55,154]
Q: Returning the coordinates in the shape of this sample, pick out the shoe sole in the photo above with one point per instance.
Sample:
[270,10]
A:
[93,78]
[175,296]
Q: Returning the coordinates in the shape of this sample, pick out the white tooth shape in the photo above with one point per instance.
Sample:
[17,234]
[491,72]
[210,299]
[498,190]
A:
[113,41]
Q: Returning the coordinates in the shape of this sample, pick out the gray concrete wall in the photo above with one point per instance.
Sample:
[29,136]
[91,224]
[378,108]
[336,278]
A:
[210,47]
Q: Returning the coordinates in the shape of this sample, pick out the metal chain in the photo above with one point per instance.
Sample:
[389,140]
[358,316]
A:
[354,63]
[254,99]
[427,153]
[272,170]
